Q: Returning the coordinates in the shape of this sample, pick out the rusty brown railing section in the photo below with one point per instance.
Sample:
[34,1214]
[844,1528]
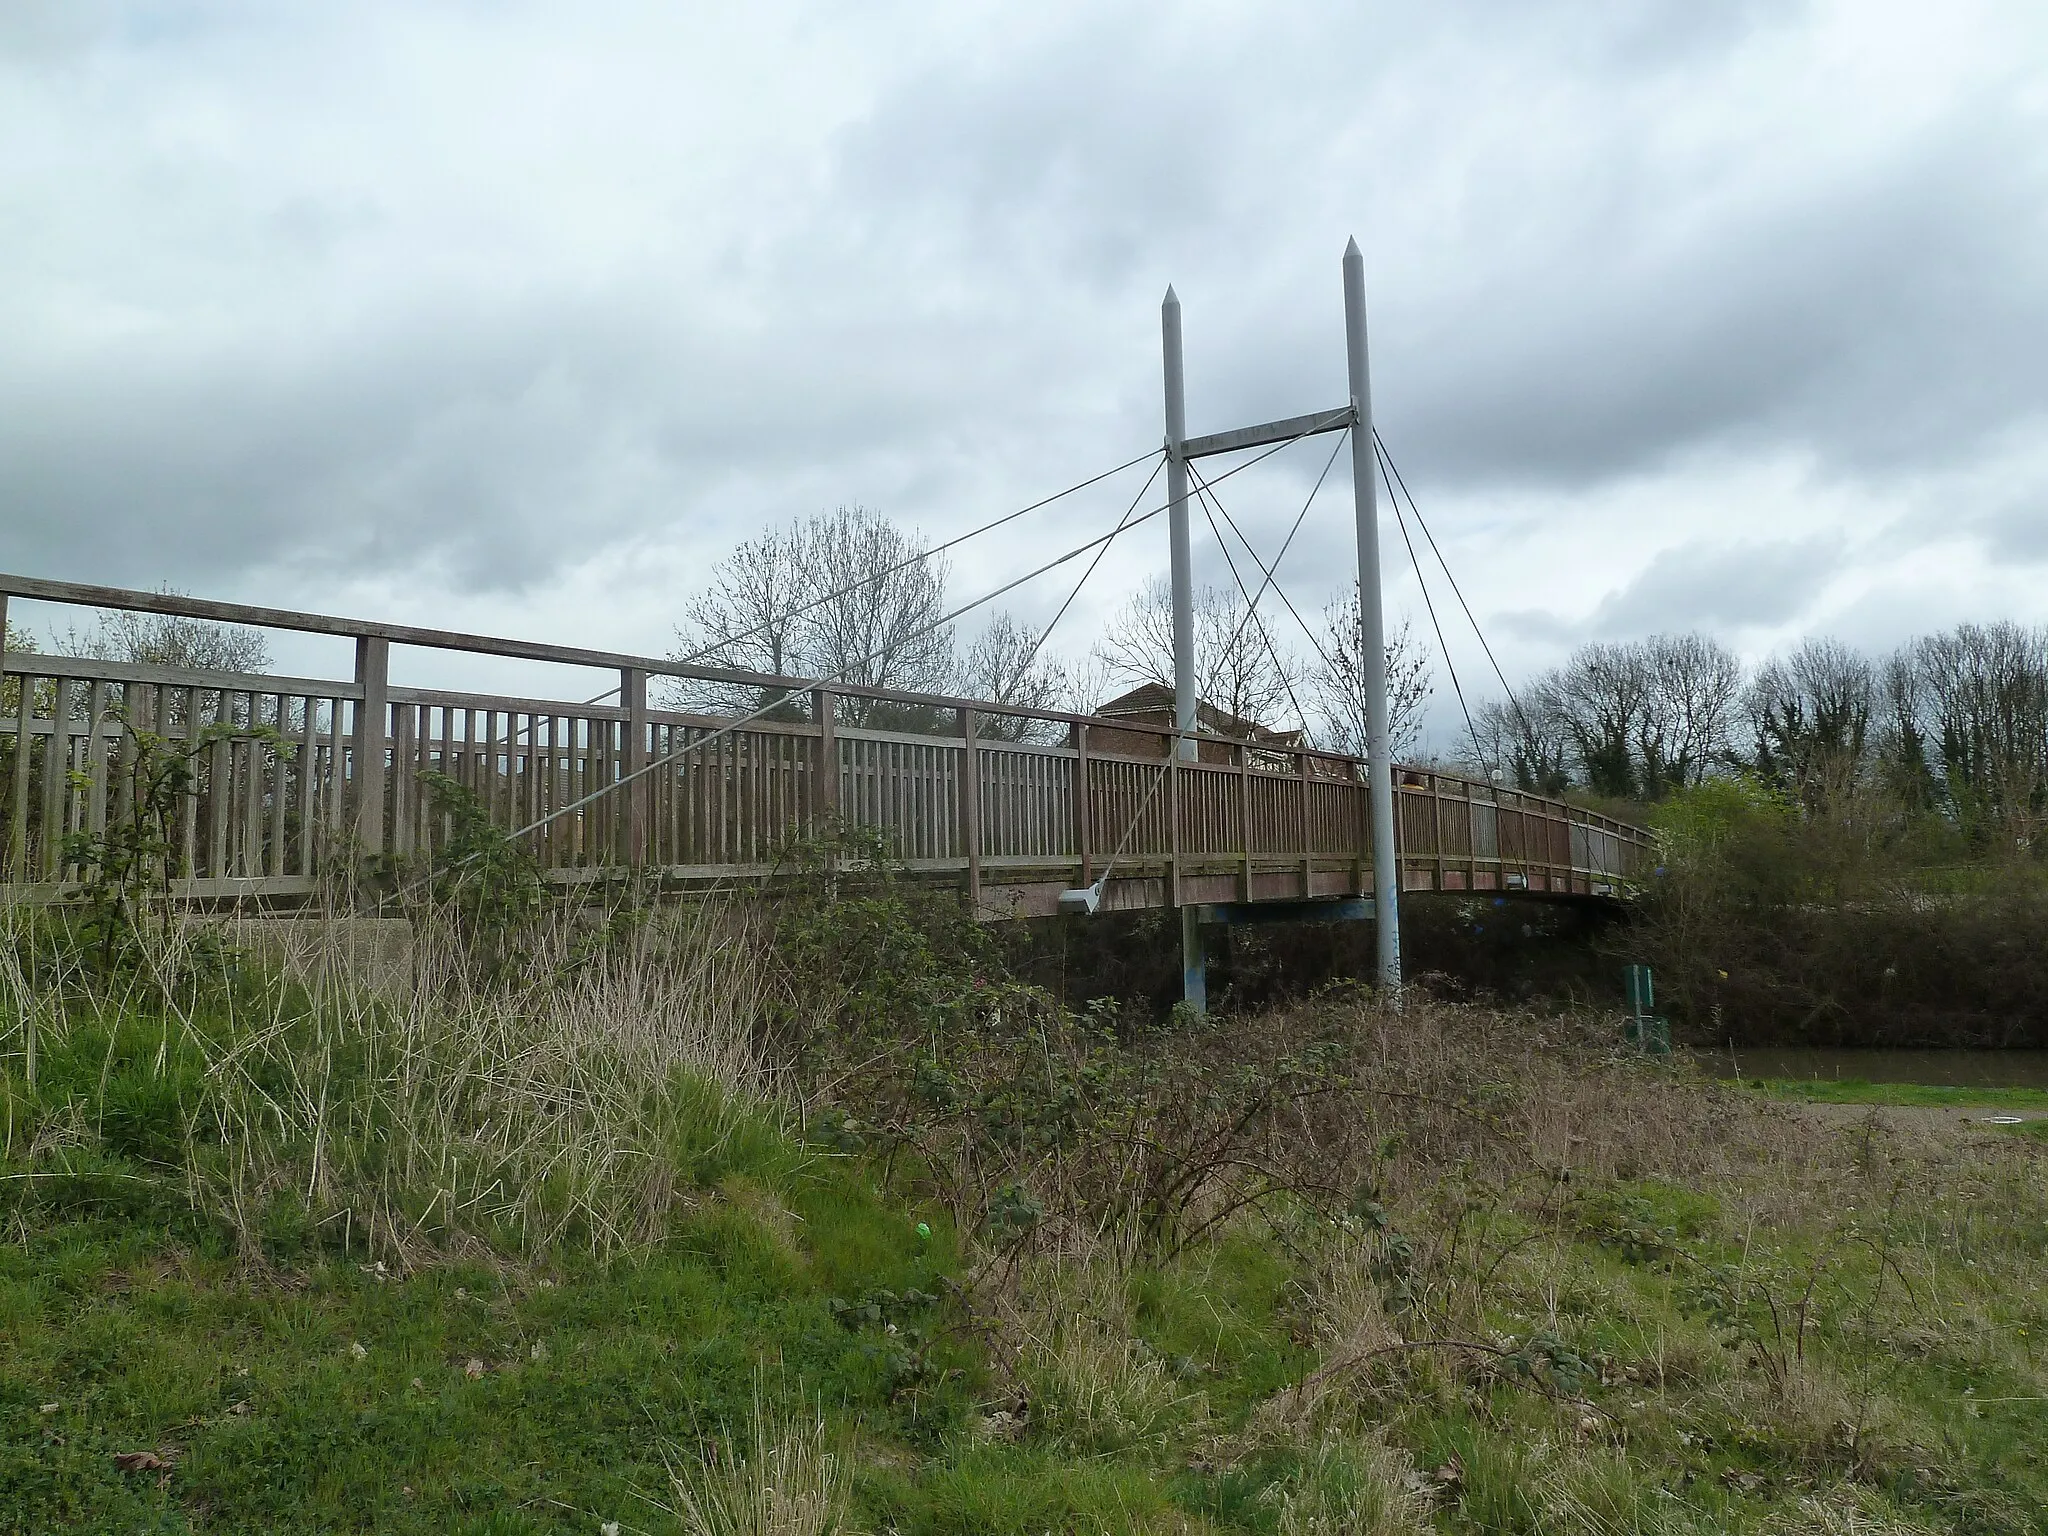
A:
[297,775]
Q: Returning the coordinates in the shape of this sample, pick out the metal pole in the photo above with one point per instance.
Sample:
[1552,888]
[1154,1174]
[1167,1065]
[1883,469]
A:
[1194,965]
[1386,879]
[1177,523]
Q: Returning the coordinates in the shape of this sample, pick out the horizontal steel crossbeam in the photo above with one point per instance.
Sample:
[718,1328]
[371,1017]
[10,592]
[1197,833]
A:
[1286,431]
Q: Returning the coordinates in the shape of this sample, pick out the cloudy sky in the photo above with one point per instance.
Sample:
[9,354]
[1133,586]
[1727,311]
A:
[514,317]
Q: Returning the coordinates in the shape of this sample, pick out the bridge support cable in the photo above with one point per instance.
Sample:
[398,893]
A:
[1122,523]
[1088,898]
[1265,636]
[925,554]
[1207,490]
[919,558]
[988,597]
[1381,446]
[1288,542]
[1273,581]
[1429,607]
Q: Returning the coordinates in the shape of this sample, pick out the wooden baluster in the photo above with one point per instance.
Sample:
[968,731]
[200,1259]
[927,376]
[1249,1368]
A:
[306,775]
[1436,827]
[17,824]
[94,767]
[373,673]
[633,695]
[1303,766]
[56,765]
[825,788]
[1084,828]
[970,806]
[402,789]
[219,785]
[1244,817]
[249,855]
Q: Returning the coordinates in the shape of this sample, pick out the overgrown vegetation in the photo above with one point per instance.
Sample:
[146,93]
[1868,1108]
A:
[1847,921]
[1851,844]
[801,1213]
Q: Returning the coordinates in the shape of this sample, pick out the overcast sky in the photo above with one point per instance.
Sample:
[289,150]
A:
[515,317]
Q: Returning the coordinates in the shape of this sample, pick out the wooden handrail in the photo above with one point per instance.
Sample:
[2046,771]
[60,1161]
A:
[971,800]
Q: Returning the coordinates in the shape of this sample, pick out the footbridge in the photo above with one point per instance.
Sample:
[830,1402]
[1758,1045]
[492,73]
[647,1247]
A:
[288,781]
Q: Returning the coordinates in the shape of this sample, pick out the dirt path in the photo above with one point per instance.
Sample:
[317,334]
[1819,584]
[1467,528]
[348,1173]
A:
[1946,1120]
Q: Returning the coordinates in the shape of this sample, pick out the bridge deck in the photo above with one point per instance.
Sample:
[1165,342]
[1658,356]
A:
[292,777]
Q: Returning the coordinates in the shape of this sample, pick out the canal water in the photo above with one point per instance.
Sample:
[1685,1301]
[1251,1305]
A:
[1958,1069]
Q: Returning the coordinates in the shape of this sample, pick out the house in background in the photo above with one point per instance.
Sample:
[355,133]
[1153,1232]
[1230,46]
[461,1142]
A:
[1152,704]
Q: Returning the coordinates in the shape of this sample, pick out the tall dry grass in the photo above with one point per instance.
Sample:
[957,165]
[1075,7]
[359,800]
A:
[411,1107]
[788,1481]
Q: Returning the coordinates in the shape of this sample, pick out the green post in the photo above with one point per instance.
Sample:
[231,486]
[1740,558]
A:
[1643,1029]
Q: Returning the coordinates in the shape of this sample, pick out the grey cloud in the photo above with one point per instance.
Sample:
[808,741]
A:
[945,298]
[1694,586]
[2015,529]
[1893,320]
[1700,587]
[1539,626]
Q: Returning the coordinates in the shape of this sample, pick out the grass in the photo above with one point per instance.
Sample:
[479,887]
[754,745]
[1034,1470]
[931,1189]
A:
[1456,1271]
[1938,1095]
[466,1397]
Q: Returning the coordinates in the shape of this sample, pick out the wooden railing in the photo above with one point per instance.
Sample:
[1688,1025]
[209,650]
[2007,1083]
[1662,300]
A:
[294,778]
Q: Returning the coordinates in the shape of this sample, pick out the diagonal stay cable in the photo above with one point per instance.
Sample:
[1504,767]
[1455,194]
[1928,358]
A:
[1381,444]
[747,719]
[1288,542]
[1206,487]
[1101,881]
[1272,651]
[1204,492]
[1429,607]
[732,725]
[924,554]
[1122,523]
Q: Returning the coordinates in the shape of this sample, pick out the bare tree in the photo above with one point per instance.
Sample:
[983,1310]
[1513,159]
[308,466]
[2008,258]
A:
[746,619]
[1006,664]
[1982,699]
[1643,717]
[1693,683]
[167,640]
[1526,742]
[881,628]
[845,595]
[1900,749]
[1238,667]
[1336,685]
[1599,698]
[1090,681]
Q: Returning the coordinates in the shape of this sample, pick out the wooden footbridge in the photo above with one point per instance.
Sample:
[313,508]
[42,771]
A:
[294,780]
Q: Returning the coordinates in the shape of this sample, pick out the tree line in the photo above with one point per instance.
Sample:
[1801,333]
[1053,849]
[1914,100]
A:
[1954,722]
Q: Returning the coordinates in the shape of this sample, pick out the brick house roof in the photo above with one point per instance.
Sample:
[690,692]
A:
[1152,704]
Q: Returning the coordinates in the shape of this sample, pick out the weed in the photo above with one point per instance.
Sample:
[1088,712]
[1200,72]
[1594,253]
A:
[788,1482]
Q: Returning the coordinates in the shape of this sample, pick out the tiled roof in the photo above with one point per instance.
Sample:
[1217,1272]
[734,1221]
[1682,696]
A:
[1154,702]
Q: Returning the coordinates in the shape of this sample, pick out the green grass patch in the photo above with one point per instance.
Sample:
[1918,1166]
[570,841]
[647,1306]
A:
[344,1397]
[1850,1090]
